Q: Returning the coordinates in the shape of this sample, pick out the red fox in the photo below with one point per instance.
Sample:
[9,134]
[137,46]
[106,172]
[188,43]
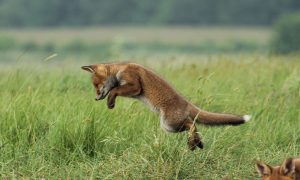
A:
[290,169]
[176,113]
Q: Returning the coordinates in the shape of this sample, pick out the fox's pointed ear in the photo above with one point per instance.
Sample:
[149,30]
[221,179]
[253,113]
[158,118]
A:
[288,167]
[263,169]
[89,68]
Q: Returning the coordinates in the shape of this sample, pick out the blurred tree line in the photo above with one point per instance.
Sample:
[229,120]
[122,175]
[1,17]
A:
[19,13]
[286,36]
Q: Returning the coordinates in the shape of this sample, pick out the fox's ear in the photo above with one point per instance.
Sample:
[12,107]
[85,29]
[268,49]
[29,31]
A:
[263,169]
[288,167]
[89,68]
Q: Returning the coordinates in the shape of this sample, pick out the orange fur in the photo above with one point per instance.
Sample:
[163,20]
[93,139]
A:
[288,170]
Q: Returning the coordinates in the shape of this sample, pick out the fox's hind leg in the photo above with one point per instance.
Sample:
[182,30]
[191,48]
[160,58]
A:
[176,120]
[194,139]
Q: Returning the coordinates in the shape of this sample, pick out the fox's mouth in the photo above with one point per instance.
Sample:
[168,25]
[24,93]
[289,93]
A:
[99,97]
[102,95]
[107,86]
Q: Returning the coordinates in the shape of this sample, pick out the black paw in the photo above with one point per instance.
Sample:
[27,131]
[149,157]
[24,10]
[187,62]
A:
[194,142]
[111,105]
[199,144]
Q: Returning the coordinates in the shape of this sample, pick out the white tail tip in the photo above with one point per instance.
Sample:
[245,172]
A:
[247,118]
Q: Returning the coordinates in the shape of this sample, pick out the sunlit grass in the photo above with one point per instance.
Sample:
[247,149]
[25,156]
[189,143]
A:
[51,127]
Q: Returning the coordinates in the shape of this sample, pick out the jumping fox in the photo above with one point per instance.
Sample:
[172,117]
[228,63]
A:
[288,170]
[176,113]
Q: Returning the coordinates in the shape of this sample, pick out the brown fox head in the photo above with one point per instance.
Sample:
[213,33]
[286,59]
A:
[101,79]
[284,172]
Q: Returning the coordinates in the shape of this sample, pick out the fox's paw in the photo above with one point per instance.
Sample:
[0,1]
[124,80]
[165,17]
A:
[111,105]
[194,142]
[111,101]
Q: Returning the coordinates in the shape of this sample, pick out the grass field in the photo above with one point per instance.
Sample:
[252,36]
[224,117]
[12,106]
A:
[51,127]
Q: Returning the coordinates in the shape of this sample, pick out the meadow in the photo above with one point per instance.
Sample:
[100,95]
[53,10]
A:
[51,127]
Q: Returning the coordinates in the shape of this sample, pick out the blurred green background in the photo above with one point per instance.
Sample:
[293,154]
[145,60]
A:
[42,13]
[105,29]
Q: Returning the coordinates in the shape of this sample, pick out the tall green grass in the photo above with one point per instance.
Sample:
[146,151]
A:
[51,127]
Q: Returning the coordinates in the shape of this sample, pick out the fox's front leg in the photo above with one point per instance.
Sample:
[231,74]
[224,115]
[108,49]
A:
[129,89]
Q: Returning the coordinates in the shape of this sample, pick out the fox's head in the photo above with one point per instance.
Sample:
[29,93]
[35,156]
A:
[101,79]
[284,172]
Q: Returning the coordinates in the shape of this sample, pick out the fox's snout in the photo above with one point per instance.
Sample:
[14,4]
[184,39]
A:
[103,93]
[98,98]
[101,96]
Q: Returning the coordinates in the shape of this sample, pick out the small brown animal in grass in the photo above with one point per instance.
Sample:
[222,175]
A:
[288,170]
[176,113]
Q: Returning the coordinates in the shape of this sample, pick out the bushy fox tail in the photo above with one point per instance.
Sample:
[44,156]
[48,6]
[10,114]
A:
[210,118]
